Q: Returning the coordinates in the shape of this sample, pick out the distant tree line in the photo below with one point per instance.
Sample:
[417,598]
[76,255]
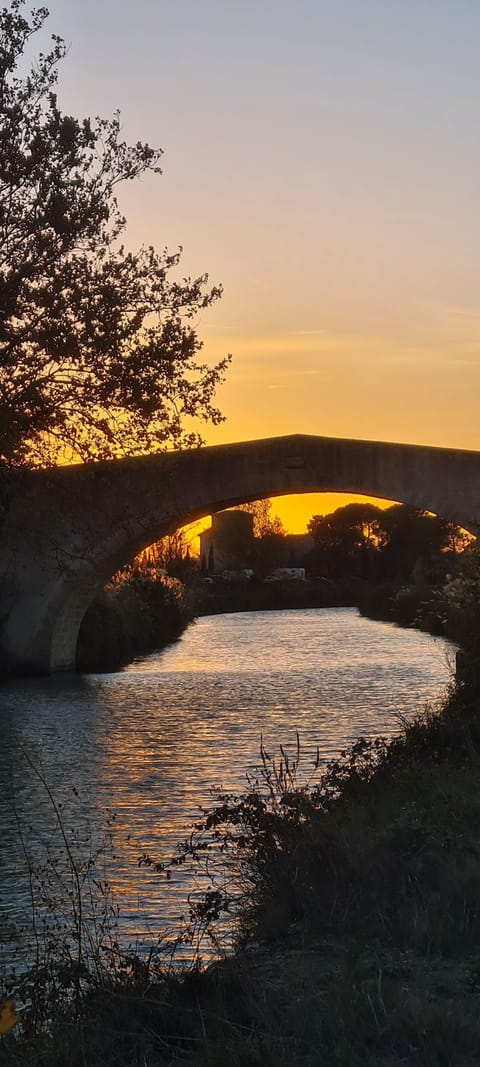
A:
[359,540]
[364,541]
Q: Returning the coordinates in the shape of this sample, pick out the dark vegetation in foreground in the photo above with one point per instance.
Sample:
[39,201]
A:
[358,923]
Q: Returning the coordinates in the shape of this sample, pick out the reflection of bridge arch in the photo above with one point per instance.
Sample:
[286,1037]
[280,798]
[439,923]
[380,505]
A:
[69,529]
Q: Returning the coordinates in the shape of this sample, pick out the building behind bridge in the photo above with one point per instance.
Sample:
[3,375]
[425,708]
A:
[229,545]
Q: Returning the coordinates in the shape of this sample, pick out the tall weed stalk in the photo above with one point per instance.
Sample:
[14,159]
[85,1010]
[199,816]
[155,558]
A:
[72,945]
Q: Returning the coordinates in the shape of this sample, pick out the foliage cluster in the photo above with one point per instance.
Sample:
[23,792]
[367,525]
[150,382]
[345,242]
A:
[98,354]
[136,613]
[172,554]
[389,544]
[457,603]
[265,524]
[449,607]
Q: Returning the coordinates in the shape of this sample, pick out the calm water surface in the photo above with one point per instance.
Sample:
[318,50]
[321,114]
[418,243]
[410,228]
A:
[147,743]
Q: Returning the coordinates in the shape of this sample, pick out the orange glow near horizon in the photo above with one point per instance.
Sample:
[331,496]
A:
[294,511]
[336,207]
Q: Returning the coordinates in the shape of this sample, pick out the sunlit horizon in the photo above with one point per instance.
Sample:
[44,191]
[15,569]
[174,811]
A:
[321,163]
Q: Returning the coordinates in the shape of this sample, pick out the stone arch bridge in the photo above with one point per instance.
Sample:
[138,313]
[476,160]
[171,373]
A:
[65,531]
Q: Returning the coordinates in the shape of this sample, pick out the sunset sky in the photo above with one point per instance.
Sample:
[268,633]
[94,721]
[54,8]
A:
[322,161]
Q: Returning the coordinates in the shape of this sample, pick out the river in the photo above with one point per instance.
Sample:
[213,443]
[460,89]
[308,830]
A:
[133,754]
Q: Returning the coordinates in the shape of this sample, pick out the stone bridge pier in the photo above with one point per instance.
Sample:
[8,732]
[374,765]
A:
[65,531]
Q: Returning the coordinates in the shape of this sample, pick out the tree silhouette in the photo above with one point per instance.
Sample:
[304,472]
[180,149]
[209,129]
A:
[264,523]
[413,537]
[366,541]
[98,357]
[346,539]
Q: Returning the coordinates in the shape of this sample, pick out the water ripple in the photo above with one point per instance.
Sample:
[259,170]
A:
[148,743]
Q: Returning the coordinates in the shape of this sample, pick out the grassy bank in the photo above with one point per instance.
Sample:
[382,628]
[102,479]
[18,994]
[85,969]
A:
[359,923]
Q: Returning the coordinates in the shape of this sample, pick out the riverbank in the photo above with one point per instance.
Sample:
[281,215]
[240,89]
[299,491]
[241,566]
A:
[131,617]
[140,614]
[421,605]
[450,609]
[220,596]
[359,932]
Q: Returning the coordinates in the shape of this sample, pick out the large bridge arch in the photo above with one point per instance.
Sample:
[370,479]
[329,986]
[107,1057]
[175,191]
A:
[69,529]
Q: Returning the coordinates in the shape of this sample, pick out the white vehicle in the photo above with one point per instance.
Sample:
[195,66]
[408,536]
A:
[288,573]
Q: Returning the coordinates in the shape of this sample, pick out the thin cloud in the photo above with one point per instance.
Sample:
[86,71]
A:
[457,311]
[307,333]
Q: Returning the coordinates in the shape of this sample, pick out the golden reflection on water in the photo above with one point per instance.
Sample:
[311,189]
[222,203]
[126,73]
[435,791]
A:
[144,746]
